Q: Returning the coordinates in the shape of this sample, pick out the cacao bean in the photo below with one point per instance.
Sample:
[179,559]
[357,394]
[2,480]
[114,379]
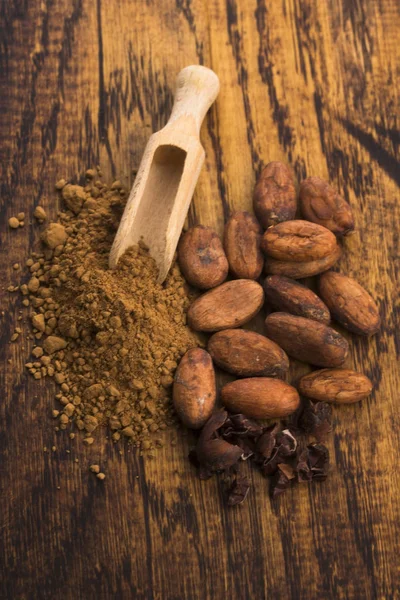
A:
[194,391]
[247,354]
[335,385]
[260,397]
[229,305]
[274,198]
[242,240]
[298,241]
[350,304]
[321,203]
[301,270]
[289,296]
[202,258]
[307,340]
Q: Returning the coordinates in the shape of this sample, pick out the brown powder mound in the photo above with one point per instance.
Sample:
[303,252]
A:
[110,339]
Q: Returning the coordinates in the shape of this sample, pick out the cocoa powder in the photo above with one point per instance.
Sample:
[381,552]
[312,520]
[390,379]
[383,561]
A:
[111,340]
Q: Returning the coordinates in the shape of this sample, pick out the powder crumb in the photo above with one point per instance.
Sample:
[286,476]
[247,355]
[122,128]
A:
[128,432]
[16,266]
[55,235]
[69,409]
[95,468]
[53,344]
[101,476]
[21,216]
[74,196]
[40,214]
[33,285]
[13,222]
[38,322]
[37,352]
[60,184]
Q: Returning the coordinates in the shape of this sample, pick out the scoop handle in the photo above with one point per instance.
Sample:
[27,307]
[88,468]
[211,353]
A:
[196,89]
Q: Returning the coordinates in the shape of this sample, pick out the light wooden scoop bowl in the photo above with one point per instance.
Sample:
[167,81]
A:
[168,173]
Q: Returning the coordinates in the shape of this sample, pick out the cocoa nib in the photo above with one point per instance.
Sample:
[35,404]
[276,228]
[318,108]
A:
[282,480]
[318,458]
[214,453]
[267,441]
[316,419]
[313,463]
[238,490]
[240,426]
[226,440]
[283,445]
[242,432]
[302,468]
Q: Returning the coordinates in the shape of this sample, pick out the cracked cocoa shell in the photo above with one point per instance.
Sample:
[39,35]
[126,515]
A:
[350,304]
[242,240]
[316,419]
[274,198]
[300,270]
[321,203]
[213,453]
[290,296]
[260,397]
[194,391]
[343,386]
[307,340]
[247,354]
[229,305]
[202,258]
[298,241]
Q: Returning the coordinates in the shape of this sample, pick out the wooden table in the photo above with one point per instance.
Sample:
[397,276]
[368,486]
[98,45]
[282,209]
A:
[310,82]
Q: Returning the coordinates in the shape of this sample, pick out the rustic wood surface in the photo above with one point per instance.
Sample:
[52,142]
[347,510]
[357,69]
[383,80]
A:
[311,82]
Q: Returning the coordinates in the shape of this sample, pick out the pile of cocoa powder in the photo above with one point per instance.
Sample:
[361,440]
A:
[111,340]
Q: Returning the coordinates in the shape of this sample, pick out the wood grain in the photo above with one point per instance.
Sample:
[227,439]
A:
[309,82]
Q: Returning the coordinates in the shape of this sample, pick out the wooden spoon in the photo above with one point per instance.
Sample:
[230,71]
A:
[168,173]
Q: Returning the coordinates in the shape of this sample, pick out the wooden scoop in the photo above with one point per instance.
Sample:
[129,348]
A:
[168,173]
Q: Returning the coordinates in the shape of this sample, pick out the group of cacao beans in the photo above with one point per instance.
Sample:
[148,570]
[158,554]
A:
[288,250]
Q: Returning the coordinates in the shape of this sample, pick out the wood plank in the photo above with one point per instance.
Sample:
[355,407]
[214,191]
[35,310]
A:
[313,83]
